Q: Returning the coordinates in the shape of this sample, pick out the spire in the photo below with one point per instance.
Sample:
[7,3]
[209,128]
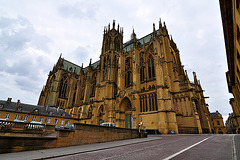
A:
[195,78]
[90,63]
[160,23]
[81,69]
[133,35]
[113,24]
[164,24]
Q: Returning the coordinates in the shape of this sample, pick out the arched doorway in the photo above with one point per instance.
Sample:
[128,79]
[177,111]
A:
[126,110]
[100,115]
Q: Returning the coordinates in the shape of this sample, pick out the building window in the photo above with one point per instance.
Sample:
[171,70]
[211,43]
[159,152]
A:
[116,44]
[218,123]
[148,102]
[1,106]
[55,121]
[237,4]
[74,97]
[25,118]
[142,70]
[128,73]
[67,122]
[49,120]
[141,106]
[62,122]
[151,70]
[93,85]
[7,116]
[17,117]
[107,44]
[63,87]
[41,119]
[34,118]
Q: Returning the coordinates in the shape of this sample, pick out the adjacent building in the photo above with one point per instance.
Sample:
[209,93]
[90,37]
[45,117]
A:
[141,82]
[230,11]
[25,113]
[231,125]
[218,124]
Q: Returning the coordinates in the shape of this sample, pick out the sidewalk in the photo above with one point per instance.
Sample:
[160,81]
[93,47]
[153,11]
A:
[57,152]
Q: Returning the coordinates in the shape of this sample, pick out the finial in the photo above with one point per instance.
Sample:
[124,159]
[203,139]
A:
[82,65]
[118,28]
[60,55]
[164,24]
[109,27]
[90,63]
[153,27]
[113,24]
[160,23]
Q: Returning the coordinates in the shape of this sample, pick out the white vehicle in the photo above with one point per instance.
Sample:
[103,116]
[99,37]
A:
[34,122]
[109,124]
[16,120]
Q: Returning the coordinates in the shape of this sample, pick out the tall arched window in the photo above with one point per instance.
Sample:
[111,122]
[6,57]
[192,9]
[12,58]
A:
[151,70]
[107,44]
[93,85]
[74,97]
[142,68]
[63,87]
[128,73]
[116,44]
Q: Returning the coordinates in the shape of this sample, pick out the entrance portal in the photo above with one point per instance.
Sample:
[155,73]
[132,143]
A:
[126,111]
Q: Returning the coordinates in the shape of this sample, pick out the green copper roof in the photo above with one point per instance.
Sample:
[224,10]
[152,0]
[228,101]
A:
[129,44]
[71,67]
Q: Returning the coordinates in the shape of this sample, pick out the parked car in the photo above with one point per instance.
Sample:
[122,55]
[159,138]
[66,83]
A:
[69,126]
[58,127]
[109,124]
[34,122]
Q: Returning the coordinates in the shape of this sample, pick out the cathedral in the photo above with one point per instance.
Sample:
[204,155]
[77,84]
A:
[139,83]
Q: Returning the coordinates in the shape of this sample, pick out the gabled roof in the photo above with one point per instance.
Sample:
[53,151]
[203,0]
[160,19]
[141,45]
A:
[27,108]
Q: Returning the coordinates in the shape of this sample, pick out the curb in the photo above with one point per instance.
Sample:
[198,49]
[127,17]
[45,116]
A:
[91,150]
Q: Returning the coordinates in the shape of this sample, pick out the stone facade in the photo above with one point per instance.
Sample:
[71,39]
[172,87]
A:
[138,83]
[230,11]
[218,124]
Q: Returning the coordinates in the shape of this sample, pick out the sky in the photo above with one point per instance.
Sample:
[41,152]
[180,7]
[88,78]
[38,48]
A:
[34,33]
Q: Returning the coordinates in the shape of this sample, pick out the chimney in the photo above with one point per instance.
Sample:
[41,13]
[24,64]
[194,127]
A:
[18,103]
[58,109]
[9,100]
[47,107]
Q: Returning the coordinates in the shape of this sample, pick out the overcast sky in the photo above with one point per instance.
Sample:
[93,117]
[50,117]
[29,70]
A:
[34,33]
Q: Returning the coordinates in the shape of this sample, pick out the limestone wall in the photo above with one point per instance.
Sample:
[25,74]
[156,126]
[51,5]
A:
[82,134]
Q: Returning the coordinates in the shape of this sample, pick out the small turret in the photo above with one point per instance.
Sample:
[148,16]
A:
[133,35]
[160,23]
[113,24]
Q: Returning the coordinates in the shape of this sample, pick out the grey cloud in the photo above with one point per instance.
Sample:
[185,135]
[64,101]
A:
[78,10]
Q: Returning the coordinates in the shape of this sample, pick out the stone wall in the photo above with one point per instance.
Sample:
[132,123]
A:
[82,134]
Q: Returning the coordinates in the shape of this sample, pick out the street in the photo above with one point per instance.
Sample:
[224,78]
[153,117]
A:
[173,147]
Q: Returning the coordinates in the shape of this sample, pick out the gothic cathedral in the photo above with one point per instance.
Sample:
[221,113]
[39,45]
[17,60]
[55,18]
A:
[141,82]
